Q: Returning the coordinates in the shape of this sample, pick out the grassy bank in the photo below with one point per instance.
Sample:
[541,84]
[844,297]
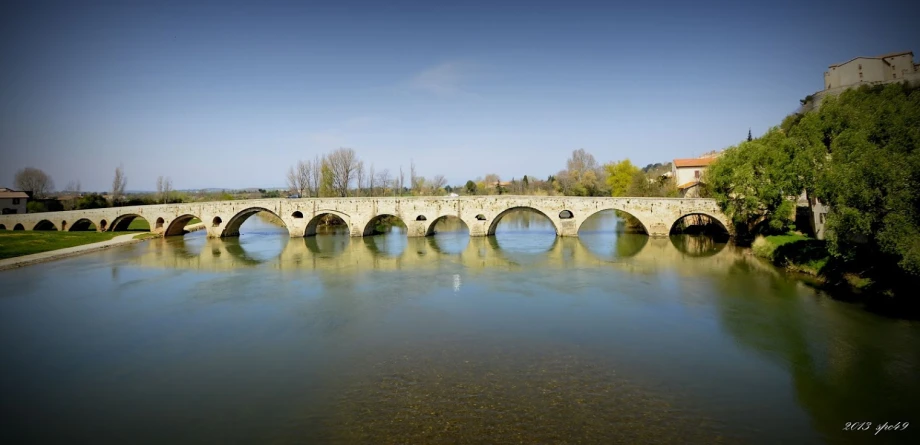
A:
[19,243]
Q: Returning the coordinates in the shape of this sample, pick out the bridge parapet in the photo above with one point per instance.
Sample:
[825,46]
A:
[481,214]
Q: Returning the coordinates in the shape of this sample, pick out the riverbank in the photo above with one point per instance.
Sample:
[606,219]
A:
[879,289]
[86,242]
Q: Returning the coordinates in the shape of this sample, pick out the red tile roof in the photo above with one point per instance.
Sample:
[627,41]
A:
[688,185]
[696,162]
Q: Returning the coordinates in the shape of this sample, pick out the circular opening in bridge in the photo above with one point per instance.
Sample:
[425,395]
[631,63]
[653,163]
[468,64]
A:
[327,224]
[421,218]
[18,227]
[699,224]
[130,223]
[612,234]
[82,225]
[159,223]
[44,225]
[2,227]
[386,235]
[297,215]
[448,235]
[523,230]
[565,214]
[481,217]
[103,224]
[216,221]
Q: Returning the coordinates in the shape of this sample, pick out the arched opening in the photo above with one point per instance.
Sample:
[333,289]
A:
[385,225]
[103,225]
[18,227]
[448,234]
[327,224]
[612,234]
[177,226]
[386,235]
[481,217]
[82,225]
[160,223]
[216,222]
[266,222]
[523,230]
[297,214]
[421,218]
[566,214]
[44,225]
[130,223]
[2,227]
[699,224]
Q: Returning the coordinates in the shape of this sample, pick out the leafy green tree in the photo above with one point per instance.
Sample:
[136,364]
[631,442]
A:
[749,135]
[92,201]
[620,176]
[753,183]
[471,187]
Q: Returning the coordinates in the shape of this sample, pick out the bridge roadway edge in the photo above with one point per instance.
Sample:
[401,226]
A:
[480,213]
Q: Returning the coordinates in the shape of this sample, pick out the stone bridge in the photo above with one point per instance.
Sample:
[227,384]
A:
[481,214]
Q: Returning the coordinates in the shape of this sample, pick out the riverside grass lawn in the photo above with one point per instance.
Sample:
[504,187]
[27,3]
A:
[15,243]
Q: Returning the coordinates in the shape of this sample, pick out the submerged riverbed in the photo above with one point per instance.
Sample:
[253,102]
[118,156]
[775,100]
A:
[518,338]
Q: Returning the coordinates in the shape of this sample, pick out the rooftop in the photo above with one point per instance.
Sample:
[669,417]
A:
[695,162]
[7,193]
[883,56]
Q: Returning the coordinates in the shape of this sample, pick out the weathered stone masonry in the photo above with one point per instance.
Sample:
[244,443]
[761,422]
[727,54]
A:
[481,214]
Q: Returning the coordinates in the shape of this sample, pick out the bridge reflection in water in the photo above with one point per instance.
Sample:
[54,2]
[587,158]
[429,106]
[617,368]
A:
[342,254]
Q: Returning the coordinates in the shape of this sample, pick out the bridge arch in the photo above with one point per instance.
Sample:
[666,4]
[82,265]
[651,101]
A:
[233,226]
[720,223]
[497,219]
[314,223]
[2,227]
[177,226]
[620,212]
[18,227]
[371,227]
[123,222]
[431,227]
[82,225]
[44,225]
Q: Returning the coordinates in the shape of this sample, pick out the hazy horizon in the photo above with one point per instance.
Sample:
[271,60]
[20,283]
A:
[228,95]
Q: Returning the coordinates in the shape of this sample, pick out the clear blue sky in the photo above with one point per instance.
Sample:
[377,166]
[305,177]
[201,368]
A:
[230,94]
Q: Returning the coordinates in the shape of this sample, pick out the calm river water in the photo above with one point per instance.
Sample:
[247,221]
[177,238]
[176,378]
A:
[518,338]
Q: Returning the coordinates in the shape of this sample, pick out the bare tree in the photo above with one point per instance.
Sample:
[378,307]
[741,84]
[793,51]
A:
[342,162]
[34,180]
[402,178]
[415,182]
[371,180]
[299,178]
[119,184]
[383,178]
[437,183]
[359,173]
[316,176]
[167,187]
[160,189]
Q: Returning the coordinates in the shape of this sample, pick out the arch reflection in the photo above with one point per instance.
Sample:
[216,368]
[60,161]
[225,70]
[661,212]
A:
[697,245]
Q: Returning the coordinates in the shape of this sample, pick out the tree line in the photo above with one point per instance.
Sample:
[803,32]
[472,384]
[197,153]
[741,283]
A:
[857,153]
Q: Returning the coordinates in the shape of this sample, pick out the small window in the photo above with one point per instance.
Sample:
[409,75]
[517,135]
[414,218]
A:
[860,66]
[696,174]
[894,75]
[15,201]
[860,75]
[821,218]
